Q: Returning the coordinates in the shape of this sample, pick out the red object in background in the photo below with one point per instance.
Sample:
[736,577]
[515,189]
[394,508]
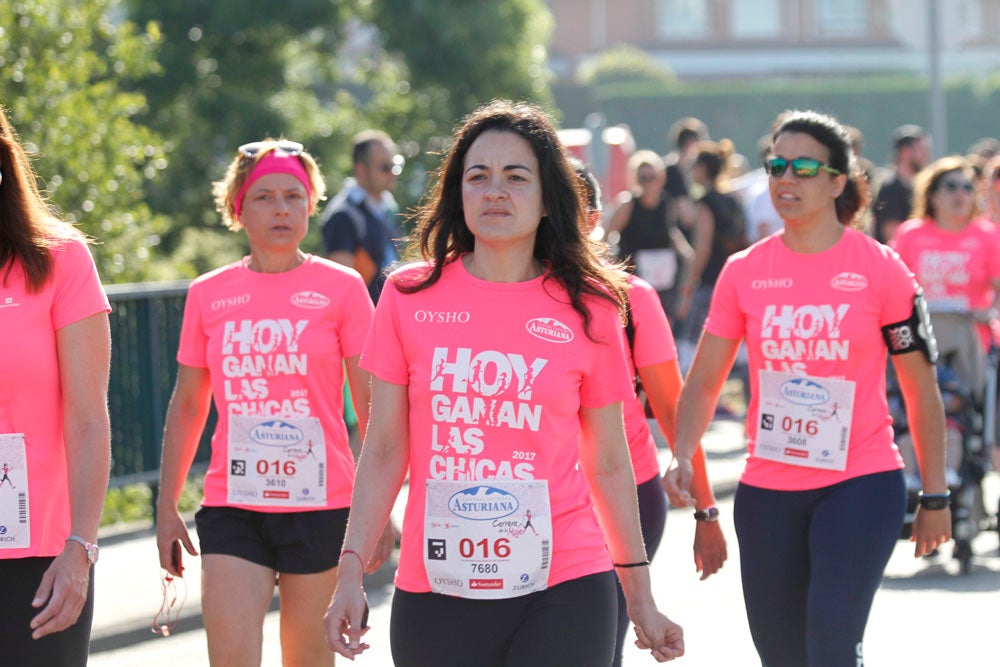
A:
[611,165]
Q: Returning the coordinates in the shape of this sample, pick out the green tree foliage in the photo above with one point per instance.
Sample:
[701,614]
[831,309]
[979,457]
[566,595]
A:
[460,54]
[624,64]
[66,71]
[227,78]
[318,71]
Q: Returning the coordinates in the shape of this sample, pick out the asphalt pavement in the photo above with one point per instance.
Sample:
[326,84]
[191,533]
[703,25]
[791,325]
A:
[129,591]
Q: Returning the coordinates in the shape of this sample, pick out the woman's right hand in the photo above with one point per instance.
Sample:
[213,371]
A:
[677,483]
[345,620]
[171,534]
[657,634]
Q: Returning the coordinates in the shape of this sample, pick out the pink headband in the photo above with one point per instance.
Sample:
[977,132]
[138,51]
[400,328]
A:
[276,161]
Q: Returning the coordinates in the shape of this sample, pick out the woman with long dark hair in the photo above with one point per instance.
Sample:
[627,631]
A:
[55,435]
[498,380]
[821,501]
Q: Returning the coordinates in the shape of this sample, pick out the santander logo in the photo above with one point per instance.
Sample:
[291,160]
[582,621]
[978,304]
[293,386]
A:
[549,329]
[310,300]
[849,282]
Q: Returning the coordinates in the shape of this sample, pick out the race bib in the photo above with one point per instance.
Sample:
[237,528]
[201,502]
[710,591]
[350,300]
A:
[657,266]
[487,540]
[276,461]
[803,420]
[15,517]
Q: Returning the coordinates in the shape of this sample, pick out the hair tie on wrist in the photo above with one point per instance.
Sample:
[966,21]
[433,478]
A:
[352,551]
[639,564]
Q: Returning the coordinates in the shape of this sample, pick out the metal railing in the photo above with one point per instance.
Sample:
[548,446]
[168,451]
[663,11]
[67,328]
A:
[145,327]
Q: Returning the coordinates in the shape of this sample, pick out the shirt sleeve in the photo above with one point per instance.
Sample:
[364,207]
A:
[608,379]
[78,292]
[898,286]
[384,355]
[339,234]
[654,340]
[193,346]
[357,320]
[726,318]
[993,252]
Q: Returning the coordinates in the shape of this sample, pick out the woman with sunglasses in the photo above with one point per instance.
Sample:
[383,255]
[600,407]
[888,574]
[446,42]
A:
[646,223]
[498,378]
[821,501]
[955,254]
[55,437]
[268,338]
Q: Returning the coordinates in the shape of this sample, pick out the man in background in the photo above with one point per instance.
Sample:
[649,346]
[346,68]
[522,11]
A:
[911,146]
[359,224]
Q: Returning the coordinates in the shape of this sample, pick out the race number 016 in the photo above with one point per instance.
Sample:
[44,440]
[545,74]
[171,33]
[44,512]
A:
[500,547]
[789,425]
[275,467]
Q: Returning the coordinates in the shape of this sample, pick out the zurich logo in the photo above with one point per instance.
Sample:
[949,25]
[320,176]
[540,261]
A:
[483,503]
[802,391]
[3,530]
[276,433]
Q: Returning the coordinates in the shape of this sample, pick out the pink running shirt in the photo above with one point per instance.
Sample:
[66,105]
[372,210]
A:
[30,390]
[514,366]
[956,269]
[817,314]
[654,344]
[274,346]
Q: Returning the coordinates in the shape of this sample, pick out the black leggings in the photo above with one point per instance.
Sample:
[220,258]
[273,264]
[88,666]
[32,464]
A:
[653,517]
[19,580]
[811,562]
[571,624]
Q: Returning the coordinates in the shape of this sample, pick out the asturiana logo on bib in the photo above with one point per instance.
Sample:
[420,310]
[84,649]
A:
[849,282]
[276,433]
[549,329]
[483,503]
[805,392]
[311,300]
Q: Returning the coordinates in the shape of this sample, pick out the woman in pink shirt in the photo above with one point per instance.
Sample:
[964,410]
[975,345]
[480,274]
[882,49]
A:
[55,436]
[652,356]
[268,338]
[498,380]
[955,254]
[820,504]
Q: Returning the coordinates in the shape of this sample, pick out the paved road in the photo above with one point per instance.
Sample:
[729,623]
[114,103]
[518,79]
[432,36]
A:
[925,613]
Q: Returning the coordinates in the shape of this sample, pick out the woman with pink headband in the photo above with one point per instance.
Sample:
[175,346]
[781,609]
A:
[268,338]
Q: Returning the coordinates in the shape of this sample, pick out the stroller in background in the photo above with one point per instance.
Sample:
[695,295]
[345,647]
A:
[969,392]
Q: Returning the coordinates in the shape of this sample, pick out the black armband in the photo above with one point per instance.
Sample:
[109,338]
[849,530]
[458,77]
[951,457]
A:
[914,333]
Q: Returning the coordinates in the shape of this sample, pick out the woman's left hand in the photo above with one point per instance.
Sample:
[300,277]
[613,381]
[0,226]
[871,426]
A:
[709,548]
[384,548]
[656,633]
[931,529]
[64,588]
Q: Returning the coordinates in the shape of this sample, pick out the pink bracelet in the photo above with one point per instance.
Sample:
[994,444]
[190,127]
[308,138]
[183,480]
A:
[352,551]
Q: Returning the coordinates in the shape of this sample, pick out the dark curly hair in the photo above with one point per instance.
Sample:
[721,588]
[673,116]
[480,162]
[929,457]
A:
[571,258]
[825,129]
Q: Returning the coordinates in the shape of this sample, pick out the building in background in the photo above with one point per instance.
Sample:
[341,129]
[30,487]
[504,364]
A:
[710,39]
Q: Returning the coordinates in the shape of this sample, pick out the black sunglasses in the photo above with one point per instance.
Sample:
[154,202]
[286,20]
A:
[803,167]
[955,186]
[255,147]
[395,167]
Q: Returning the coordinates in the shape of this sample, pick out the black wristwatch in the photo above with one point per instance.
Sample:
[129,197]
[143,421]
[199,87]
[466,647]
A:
[935,501]
[707,514]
